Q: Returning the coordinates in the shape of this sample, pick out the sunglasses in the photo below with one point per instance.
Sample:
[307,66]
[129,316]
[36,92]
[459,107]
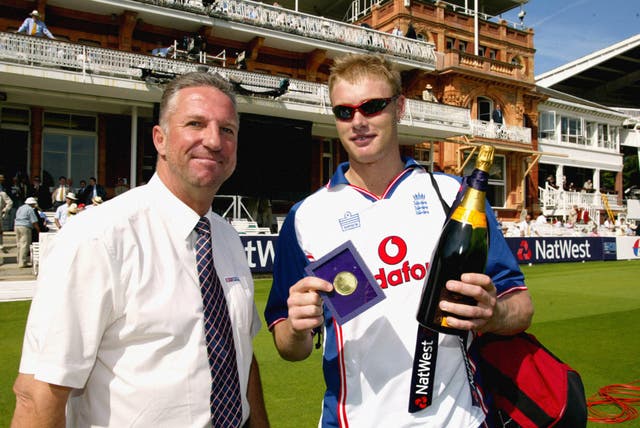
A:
[367,108]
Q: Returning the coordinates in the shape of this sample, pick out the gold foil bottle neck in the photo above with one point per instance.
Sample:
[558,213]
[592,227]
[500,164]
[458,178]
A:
[485,158]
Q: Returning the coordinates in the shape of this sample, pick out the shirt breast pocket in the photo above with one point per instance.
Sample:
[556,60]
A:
[239,301]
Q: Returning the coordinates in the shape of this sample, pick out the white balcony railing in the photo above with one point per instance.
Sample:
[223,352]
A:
[315,27]
[41,52]
[559,202]
[496,131]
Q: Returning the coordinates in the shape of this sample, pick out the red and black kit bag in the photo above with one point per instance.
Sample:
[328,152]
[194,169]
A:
[526,386]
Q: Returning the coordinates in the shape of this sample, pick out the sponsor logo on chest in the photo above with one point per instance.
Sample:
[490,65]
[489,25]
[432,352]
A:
[392,251]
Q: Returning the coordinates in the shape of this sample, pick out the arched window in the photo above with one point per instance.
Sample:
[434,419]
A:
[485,107]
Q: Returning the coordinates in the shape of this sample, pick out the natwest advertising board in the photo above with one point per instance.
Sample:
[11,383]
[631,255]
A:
[628,247]
[562,249]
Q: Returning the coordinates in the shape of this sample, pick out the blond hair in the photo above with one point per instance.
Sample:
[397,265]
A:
[355,67]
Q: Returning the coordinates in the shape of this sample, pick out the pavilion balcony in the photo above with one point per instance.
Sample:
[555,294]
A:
[504,132]
[39,63]
[245,15]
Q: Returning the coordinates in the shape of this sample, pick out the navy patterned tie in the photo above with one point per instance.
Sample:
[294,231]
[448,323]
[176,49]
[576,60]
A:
[226,405]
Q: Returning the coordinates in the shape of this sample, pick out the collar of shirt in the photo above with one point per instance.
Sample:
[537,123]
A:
[175,213]
[339,176]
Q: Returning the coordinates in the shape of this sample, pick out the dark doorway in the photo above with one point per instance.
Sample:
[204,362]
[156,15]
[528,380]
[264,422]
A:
[14,146]
[274,158]
[274,162]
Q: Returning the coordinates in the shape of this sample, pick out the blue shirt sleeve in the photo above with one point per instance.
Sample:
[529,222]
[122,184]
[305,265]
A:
[288,268]
[25,26]
[502,266]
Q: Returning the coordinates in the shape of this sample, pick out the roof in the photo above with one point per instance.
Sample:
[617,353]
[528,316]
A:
[339,9]
[610,76]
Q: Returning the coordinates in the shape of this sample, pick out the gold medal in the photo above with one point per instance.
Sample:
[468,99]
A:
[345,283]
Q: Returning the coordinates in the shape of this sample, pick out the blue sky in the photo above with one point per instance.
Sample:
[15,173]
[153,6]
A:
[566,30]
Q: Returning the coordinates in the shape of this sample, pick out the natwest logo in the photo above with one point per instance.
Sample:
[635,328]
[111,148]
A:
[393,252]
[524,252]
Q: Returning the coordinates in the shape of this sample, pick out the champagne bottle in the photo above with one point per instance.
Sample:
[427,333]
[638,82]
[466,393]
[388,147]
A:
[462,248]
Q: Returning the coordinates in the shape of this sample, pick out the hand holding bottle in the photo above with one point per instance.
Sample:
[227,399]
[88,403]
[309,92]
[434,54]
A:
[471,317]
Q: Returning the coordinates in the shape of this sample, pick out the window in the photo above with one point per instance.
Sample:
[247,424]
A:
[485,107]
[14,116]
[493,54]
[462,46]
[69,145]
[590,133]
[605,137]
[482,50]
[69,121]
[571,130]
[547,125]
[422,154]
[450,43]
[69,155]
[497,182]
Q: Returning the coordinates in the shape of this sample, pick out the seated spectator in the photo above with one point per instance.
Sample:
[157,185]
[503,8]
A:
[121,187]
[551,182]
[34,26]
[588,186]
[427,94]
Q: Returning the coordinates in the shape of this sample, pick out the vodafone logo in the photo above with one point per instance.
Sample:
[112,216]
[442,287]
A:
[392,251]
[524,252]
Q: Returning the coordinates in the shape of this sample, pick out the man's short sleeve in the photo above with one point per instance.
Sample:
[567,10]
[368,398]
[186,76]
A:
[288,268]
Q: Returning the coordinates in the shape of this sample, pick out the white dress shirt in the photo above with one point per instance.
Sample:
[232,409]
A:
[118,313]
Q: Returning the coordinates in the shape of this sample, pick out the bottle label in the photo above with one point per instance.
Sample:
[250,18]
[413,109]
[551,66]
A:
[472,217]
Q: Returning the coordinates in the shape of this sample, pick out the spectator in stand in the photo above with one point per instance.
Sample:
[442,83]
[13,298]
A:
[565,185]
[497,116]
[541,219]
[42,223]
[573,215]
[35,26]
[121,187]
[26,221]
[97,200]
[427,94]
[58,196]
[41,193]
[93,189]
[63,210]
[6,204]
[81,191]
[396,30]
[18,191]
[551,182]
[588,186]
[527,227]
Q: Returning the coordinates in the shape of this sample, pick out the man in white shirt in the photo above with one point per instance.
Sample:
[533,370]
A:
[62,212]
[116,331]
[59,193]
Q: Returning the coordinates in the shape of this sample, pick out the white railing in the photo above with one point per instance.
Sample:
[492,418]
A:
[444,114]
[85,59]
[559,202]
[43,52]
[496,131]
[315,27]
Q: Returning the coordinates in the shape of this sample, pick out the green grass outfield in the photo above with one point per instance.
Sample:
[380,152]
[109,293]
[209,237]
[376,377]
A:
[587,313]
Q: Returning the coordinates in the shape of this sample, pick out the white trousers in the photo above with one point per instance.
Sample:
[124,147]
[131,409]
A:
[23,238]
